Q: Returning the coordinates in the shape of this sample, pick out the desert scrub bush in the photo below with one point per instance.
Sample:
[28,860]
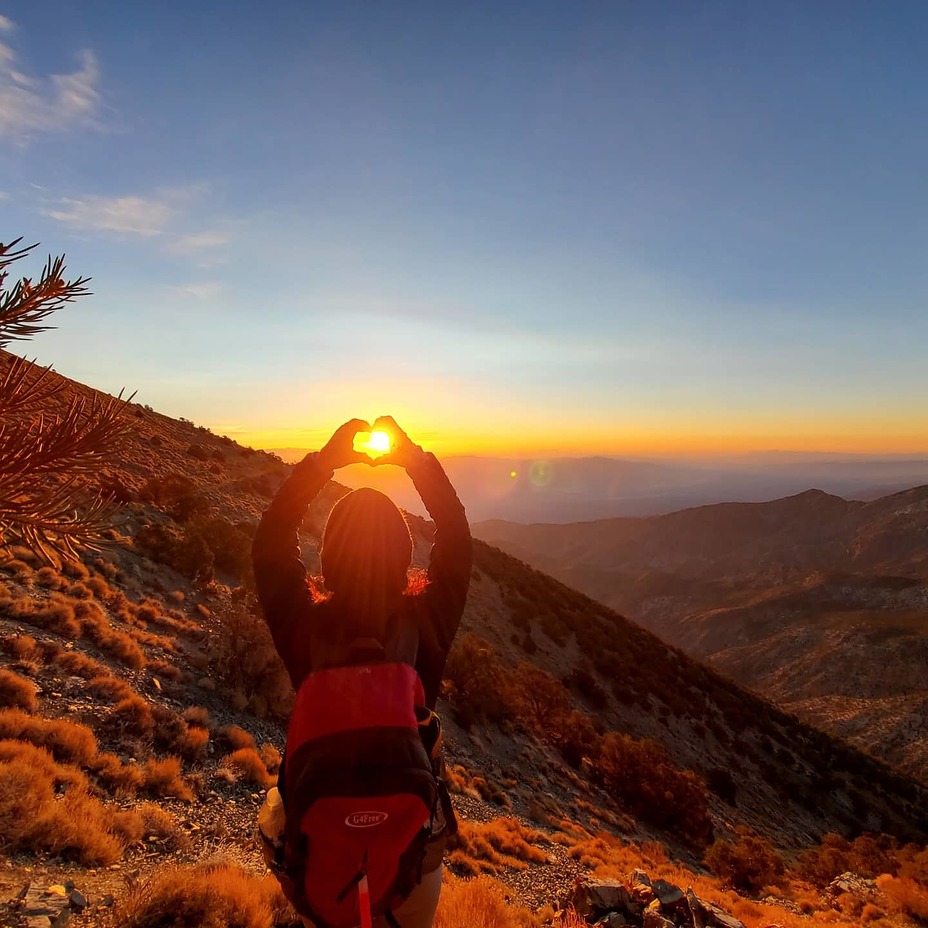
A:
[16,691]
[234,737]
[192,745]
[640,775]
[905,896]
[117,644]
[539,697]
[165,670]
[161,777]
[133,716]
[22,648]
[49,578]
[109,687]
[74,662]
[248,765]
[204,896]
[69,742]
[749,863]
[52,616]
[121,780]
[198,715]
[479,690]
[31,818]
[161,823]
[488,847]
[478,903]
[271,757]
[242,657]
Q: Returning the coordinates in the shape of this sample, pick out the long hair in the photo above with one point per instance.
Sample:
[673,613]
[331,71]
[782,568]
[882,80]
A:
[366,551]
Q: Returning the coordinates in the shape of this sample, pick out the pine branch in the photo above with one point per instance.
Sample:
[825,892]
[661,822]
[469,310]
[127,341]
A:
[25,305]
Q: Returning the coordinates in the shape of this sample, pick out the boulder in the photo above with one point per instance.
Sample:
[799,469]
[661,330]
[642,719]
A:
[600,897]
[668,895]
[707,915]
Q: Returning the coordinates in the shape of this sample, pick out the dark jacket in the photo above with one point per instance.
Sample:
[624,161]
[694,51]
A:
[308,634]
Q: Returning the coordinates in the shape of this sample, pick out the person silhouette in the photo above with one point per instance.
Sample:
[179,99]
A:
[365,557]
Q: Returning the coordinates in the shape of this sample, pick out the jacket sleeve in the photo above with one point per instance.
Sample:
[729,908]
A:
[280,575]
[449,571]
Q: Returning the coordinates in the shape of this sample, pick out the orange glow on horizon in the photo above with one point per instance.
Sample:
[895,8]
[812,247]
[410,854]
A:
[576,442]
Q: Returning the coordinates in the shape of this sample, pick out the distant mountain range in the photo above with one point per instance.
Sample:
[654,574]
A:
[818,602]
[585,488]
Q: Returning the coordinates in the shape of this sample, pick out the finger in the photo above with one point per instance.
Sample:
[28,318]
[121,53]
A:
[388,423]
[353,426]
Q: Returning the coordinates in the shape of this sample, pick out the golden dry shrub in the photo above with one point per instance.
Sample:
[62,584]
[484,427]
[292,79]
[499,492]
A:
[51,615]
[22,647]
[488,847]
[64,776]
[271,757]
[749,863]
[198,715]
[905,896]
[160,823]
[117,644]
[162,777]
[192,744]
[205,896]
[16,691]
[75,663]
[478,903]
[165,670]
[32,818]
[74,569]
[235,737]
[99,588]
[110,687]
[133,716]
[49,578]
[122,780]
[248,765]
[69,742]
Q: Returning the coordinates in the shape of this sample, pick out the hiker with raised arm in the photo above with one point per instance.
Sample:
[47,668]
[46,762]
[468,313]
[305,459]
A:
[357,833]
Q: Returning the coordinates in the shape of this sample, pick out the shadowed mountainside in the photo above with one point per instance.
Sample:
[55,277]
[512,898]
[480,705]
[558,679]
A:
[818,602]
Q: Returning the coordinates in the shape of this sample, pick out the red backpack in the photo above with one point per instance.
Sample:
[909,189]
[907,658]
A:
[359,790]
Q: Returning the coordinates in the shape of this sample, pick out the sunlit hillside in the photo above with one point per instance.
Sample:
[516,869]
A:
[143,720]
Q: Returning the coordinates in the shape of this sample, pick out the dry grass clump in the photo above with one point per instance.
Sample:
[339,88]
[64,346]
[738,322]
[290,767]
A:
[99,588]
[49,578]
[247,763]
[478,903]
[79,591]
[16,691]
[152,640]
[52,615]
[31,818]
[18,568]
[69,742]
[112,641]
[192,744]
[122,780]
[165,670]
[162,777]
[133,716]
[107,686]
[75,663]
[198,715]
[205,896]
[749,863]
[235,737]
[75,570]
[488,847]
[160,823]
[271,757]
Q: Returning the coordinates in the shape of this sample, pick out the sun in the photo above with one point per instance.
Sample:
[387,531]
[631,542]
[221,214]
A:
[380,442]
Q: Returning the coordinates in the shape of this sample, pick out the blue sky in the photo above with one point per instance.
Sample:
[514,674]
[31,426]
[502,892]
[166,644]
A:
[614,227]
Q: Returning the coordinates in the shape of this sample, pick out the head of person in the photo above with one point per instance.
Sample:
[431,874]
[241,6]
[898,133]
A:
[366,551]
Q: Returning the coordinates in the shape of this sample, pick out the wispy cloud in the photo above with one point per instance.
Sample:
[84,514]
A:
[127,215]
[33,105]
[204,290]
[198,240]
